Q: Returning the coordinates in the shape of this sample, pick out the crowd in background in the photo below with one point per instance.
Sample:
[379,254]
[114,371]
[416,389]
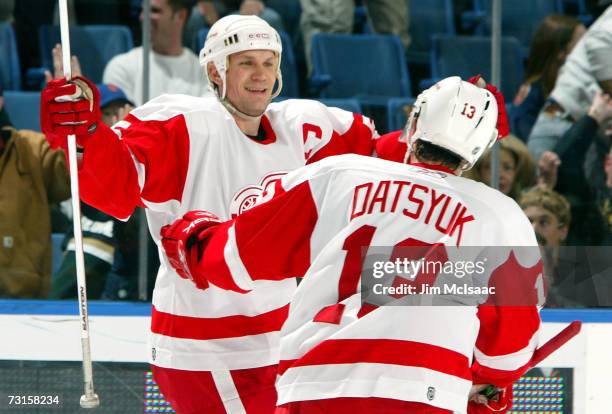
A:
[556,163]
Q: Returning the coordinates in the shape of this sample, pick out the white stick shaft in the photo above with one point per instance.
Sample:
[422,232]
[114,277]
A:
[78,236]
[65,38]
[88,400]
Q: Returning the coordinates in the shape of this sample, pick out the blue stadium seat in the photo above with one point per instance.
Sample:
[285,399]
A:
[369,68]
[23,109]
[397,112]
[427,18]
[467,56]
[520,18]
[94,45]
[289,68]
[10,72]
[578,7]
[57,254]
[288,64]
[351,105]
[199,40]
[290,11]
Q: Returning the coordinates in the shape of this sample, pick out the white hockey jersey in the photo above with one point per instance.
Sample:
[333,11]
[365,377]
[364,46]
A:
[333,345]
[179,153]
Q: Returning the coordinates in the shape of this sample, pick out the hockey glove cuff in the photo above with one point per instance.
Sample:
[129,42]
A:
[69,108]
[179,241]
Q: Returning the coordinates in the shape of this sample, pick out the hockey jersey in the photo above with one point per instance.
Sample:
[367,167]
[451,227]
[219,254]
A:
[179,153]
[315,223]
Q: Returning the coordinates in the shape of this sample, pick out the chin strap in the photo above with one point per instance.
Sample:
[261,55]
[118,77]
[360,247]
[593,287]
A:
[235,111]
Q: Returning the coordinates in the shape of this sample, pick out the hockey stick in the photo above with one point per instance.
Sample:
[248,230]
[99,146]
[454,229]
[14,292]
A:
[89,399]
[543,352]
[555,343]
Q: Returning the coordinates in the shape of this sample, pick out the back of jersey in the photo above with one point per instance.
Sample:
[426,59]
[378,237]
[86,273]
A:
[350,332]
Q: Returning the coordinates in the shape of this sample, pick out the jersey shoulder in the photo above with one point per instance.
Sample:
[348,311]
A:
[309,111]
[504,219]
[346,164]
[168,106]
[500,218]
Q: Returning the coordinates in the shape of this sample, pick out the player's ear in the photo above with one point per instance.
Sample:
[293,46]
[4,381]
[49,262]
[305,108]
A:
[213,74]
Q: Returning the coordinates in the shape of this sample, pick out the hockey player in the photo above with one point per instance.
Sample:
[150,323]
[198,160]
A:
[212,351]
[340,355]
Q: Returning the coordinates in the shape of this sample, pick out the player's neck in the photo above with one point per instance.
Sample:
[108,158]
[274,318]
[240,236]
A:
[414,160]
[248,126]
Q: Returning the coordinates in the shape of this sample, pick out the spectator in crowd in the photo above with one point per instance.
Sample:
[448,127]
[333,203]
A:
[99,229]
[32,176]
[336,16]
[586,70]
[604,196]
[570,271]
[565,171]
[571,124]
[552,43]
[173,68]
[549,213]
[516,167]
[207,12]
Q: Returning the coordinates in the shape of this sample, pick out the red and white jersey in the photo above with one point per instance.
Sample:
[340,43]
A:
[316,224]
[179,153]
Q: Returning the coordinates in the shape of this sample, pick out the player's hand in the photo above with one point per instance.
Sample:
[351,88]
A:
[179,242]
[503,126]
[498,401]
[69,108]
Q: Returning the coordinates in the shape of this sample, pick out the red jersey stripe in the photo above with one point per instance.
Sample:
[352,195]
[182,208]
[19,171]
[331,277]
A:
[383,351]
[190,327]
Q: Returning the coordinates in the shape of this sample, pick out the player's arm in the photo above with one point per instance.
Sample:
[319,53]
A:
[504,348]
[328,131]
[509,319]
[123,167]
[269,242]
[506,342]
[390,147]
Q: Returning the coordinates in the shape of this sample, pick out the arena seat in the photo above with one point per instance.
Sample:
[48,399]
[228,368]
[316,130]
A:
[369,68]
[23,109]
[10,72]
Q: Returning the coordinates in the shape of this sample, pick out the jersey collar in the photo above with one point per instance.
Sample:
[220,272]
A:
[268,132]
[435,167]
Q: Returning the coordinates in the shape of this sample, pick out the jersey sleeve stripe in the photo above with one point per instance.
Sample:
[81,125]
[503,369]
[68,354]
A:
[190,327]
[508,362]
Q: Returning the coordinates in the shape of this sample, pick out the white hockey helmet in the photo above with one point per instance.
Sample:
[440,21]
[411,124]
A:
[455,115]
[233,34]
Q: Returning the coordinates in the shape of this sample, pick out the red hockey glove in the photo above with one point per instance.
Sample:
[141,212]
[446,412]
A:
[503,127]
[69,108]
[499,403]
[178,240]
